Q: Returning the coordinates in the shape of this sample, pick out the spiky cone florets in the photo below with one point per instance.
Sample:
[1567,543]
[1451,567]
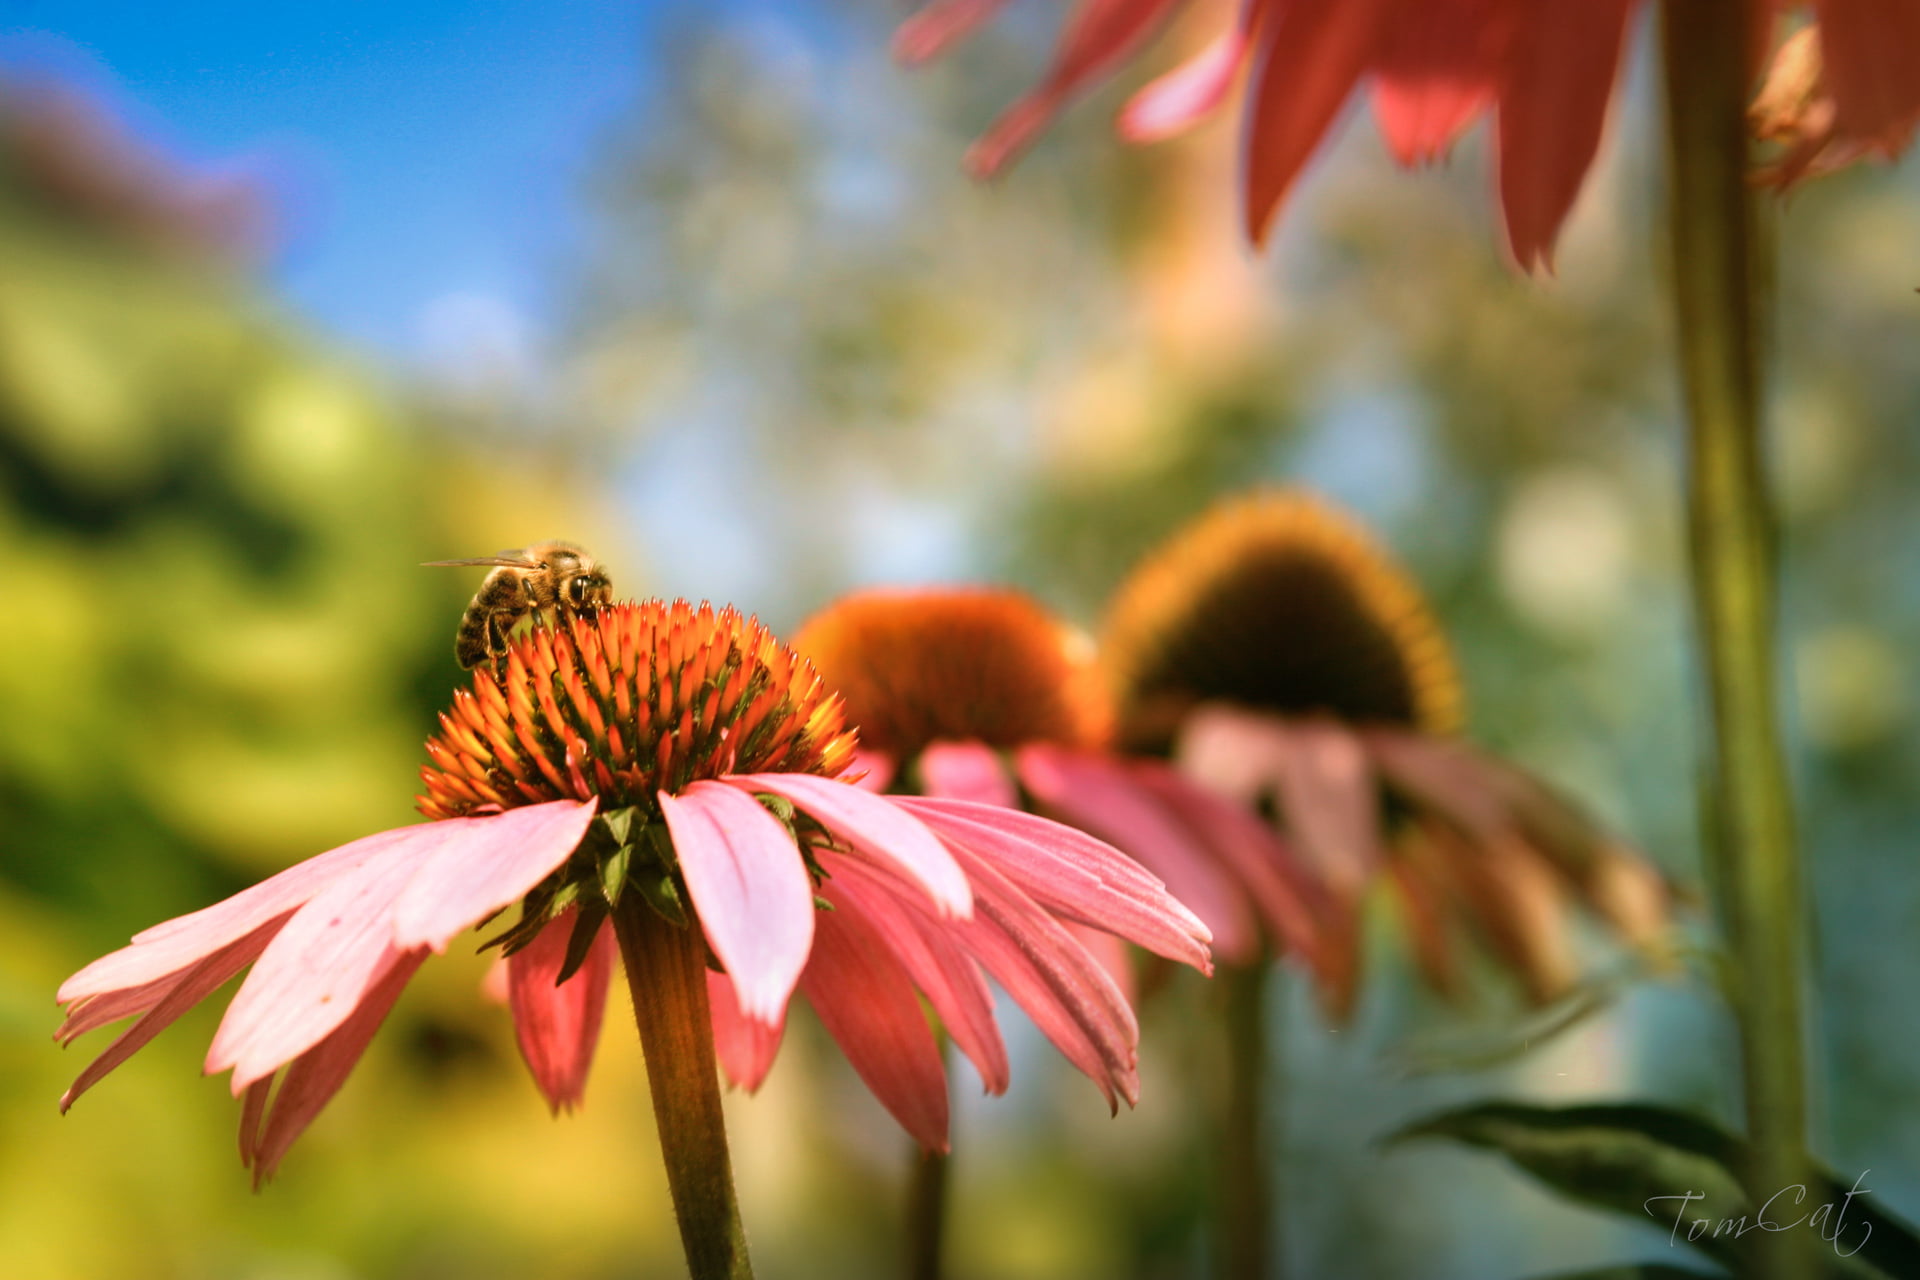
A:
[957,664]
[633,700]
[1276,602]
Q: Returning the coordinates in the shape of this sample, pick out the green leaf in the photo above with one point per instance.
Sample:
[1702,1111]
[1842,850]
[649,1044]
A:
[1684,1174]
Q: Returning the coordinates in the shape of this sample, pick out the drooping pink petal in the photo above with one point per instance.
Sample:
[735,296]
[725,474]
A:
[966,771]
[313,1078]
[1517,905]
[1190,92]
[1267,868]
[253,1109]
[876,827]
[1099,796]
[938,25]
[746,1046]
[1232,752]
[193,987]
[867,1003]
[1445,776]
[1329,803]
[1553,109]
[1111,954]
[1072,875]
[558,1026]
[313,975]
[90,1012]
[947,976]
[1867,48]
[750,887]
[481,865]
[1426,924]
[1439,63]
[1099,35]
[1066,992]
[1312,52]
[172,945]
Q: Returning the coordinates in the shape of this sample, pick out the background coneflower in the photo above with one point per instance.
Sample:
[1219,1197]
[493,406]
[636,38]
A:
[1280,658]
[673,771]
[981,694]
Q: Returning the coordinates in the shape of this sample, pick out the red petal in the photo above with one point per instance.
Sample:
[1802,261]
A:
[867,1003]
[948,977]
[1190,92]
[1439,65]
[937,26]
[314,1077]
[1869,48]
[1553,108]
[1098,37]
[750,888]
[1329,804]
[1097,795]
[558,1026]
[1312,52]
[746,1046]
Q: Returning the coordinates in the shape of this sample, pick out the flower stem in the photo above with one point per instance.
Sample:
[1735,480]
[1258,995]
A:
[926,1214]
[667,975]
[1749,812]
[1246,1199]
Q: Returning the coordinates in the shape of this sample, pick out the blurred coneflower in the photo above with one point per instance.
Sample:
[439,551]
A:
[676,772]
[1282,659]
[1544,71]
[981,694]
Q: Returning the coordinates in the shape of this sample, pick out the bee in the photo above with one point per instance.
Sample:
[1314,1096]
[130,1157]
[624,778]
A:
[548,576]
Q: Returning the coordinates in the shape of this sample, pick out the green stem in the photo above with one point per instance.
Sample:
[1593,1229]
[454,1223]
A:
[1247,1207]
[1749,812]
[667,975]
[926,1214]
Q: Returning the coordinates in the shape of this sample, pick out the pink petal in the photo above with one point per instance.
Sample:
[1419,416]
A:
[1439,64]
[1518,906]
[1868,49]
[948,977]
[1111,954]
[875,826]
[1444,776]
[1312,52]
[172,945]
[199,982]
[1190,92]
[1553,108]
[1266,867]
[482,864]
[1099,35]
[558,1026]
[867,1003]
[1071,874]
[746,1046]
[1232,752]
[314,974]
[1098,795]
[1066,992]
[966,771]
[313,1078]
[750,887]
[1329,803]
[938,25]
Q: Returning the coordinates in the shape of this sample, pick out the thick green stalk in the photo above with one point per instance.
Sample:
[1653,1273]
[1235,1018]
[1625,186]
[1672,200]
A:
[1247,1207]
[1749,812]
[667,974]
[927,1215]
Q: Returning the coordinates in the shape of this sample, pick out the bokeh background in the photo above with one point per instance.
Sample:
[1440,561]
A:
[294,299]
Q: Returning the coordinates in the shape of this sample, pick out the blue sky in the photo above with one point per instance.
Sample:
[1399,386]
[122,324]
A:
[419,153]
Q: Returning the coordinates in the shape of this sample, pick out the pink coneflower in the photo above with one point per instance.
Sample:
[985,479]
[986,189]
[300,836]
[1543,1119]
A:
[1277,653]
[980,693]
[675,771]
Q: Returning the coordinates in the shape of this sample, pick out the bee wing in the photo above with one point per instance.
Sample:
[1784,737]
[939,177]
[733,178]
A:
[501,561]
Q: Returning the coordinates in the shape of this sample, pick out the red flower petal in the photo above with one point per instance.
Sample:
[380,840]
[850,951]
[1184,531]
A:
[1869,47]
[1190,92]
[966,771]
[1439,64]
[746,1046]
[482,865]
[558,1026]
[867,1003]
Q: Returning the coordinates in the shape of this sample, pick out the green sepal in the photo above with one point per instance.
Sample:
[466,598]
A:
[613,873]
[586,927]
[662,894]
[822,903]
